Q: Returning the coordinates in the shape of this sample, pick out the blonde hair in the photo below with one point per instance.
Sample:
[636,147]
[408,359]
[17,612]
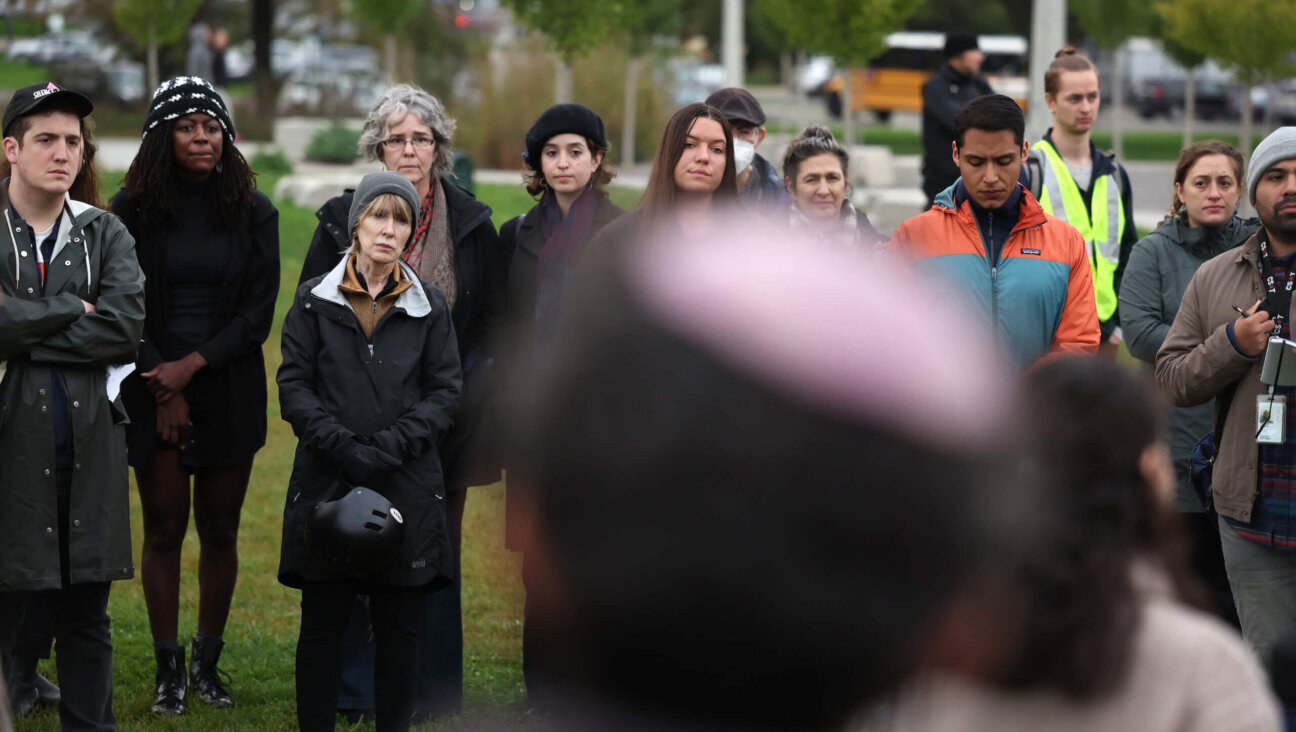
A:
[384,204]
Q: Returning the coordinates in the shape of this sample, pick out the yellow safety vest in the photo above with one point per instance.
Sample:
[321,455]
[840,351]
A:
[1101,228]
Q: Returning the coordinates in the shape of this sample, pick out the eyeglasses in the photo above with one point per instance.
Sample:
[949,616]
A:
[398,143]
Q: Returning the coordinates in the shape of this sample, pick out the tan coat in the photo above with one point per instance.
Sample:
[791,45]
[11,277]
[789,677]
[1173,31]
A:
[1197,362]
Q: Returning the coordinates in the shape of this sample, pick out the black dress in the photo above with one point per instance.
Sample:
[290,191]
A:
[213,292]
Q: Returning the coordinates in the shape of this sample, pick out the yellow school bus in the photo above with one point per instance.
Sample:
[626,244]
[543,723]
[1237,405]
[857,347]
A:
[893,82]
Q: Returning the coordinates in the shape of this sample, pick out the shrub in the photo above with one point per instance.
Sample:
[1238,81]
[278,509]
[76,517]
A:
[271,162]
[333,144]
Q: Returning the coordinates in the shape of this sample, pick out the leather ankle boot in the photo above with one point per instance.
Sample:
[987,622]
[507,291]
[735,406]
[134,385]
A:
[204,677]
[169,699]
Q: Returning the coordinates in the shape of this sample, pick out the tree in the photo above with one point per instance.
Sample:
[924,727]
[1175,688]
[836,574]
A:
[262,36]
[388,16]
[852,32]
[1253,37]
[1189,60]
[572,26]
[151,23]
[1110,23]
[641,20]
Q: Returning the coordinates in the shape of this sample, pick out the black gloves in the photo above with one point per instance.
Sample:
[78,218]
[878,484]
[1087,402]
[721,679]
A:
[365,465]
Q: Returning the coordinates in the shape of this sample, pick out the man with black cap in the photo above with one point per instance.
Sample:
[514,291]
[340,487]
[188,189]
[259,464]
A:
[759,184]
[957,81]
[73,310]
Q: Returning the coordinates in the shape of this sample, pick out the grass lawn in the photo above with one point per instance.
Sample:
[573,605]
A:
[17,74]
[262,632]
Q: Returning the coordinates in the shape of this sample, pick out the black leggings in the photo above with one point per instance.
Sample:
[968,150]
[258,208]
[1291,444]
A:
[394,614]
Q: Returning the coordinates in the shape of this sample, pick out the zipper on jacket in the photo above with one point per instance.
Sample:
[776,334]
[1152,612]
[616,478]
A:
[370,349]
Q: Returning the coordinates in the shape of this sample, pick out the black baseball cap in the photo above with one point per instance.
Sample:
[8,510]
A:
[738,105]
[30,99]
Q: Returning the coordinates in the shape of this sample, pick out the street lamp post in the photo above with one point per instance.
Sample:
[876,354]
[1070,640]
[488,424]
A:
[1048,34]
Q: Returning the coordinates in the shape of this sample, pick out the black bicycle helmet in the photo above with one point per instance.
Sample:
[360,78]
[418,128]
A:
[357,534]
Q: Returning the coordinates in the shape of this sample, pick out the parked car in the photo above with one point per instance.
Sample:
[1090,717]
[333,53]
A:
[45,50]
[1165,97]
[1283,102]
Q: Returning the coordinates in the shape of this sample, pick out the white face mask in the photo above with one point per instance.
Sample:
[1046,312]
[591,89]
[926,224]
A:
[744,153]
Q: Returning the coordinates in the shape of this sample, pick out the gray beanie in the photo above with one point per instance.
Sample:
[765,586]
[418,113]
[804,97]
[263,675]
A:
[374,185]
[1278,146]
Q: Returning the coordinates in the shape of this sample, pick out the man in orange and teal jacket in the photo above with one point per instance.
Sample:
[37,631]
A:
[1024,272]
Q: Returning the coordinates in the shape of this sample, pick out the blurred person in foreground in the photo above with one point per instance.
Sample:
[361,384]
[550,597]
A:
[817,170]
[1202,224]
[1024,274]
[1112,637]
[73,313]
[736,530]
[1215,350]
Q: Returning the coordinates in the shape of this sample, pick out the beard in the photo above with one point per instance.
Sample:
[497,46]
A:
[1281,226]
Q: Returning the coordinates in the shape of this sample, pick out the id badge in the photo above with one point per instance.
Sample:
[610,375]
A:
[1271,419]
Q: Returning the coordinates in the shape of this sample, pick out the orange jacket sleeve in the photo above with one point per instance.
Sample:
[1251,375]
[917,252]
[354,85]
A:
[1077,332]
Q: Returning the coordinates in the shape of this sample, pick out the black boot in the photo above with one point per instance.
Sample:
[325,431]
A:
[169,700]
[28,689]
[203,674]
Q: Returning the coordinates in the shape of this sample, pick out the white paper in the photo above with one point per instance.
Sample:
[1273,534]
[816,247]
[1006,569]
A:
[116,375]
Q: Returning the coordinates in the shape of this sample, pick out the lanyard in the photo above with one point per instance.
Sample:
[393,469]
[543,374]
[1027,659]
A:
[1279,302]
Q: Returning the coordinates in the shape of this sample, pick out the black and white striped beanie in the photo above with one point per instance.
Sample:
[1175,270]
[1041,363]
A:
[187,95]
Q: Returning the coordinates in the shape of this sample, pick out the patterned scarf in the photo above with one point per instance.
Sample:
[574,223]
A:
[430,251]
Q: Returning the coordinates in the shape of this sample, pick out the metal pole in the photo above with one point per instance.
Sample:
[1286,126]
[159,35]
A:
[1048,34]
[731,42]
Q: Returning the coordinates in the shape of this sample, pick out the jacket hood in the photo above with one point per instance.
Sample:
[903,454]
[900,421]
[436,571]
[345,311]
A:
[413,301]
[1031,213]
[1205,242]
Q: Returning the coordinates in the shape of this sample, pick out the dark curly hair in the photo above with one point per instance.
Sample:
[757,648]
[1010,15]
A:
[151,183]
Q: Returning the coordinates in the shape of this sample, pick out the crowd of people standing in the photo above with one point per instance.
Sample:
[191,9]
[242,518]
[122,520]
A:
[640,375]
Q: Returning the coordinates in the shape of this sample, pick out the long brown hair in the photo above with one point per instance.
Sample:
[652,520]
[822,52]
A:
[1068,59]
[85,188]
[659,196]
[1189,158]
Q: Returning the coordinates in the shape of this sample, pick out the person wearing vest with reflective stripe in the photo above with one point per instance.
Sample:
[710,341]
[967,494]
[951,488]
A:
[1077,183]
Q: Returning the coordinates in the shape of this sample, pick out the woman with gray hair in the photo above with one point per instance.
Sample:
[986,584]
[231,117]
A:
[455,247]
[816,170]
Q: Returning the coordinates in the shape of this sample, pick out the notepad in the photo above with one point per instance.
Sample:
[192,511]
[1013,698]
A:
[1279,363]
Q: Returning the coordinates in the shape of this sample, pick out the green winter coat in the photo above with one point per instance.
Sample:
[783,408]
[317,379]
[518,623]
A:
[1156,275]
[51,336]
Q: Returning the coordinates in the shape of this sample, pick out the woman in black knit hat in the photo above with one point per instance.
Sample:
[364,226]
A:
[208,243]
[565,169]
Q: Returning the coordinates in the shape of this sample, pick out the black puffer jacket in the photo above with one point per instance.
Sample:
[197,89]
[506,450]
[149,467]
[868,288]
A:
[400,389]
[468,455]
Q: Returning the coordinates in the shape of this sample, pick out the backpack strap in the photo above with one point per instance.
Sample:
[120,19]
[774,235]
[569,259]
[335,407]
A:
[1034,174]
